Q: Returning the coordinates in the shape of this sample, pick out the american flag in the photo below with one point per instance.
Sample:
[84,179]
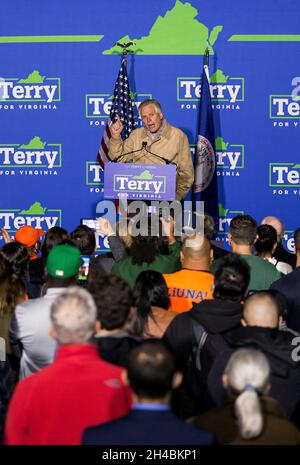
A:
[121,105]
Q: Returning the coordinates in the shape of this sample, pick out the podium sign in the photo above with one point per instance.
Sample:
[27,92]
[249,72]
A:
[139,181]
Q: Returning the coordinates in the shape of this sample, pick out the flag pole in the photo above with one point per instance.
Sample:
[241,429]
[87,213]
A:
[206,60]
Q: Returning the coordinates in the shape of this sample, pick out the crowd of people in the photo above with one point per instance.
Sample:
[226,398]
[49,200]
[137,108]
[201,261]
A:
[156,342]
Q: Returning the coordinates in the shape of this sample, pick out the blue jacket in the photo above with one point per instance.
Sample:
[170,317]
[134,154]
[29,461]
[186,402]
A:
[147,427]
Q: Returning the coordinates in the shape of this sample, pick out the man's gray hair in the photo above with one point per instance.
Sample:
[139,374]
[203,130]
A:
[248,372]
[73,316]
[150,101]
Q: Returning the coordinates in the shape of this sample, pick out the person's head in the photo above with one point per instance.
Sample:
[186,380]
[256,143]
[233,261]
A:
[99,266]
[276,223]
[15,258]
[114,302]
[151,114]
[84,239]
[261,309]
[266,241]
[297,241]
[144,249]
[54,236]
[247,376]
[29,236]
[150,290]
[209,226]
[62,265]
[196,253]
[243,230]
[231,279]
[151,371]
[73,317]
[12,292]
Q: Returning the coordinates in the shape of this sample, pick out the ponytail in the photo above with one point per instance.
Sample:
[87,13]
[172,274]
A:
[248,373]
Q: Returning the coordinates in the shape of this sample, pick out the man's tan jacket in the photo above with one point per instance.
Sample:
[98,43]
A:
[171,144]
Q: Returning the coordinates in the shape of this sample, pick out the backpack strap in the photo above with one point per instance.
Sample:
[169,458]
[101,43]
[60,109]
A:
[200,336]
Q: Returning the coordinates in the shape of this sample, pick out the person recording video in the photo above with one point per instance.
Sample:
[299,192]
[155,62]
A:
[83,237]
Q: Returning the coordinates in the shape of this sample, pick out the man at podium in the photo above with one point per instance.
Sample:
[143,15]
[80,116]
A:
[156,142]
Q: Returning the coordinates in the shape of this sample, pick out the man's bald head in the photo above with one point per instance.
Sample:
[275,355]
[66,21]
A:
[276,223]
[196,246]
[196,252]
[261,309]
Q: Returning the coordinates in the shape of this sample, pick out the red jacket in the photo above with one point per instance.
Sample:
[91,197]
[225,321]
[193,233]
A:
[55,405]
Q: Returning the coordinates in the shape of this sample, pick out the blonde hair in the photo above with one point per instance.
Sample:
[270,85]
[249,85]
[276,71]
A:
[248,372]
[124,233]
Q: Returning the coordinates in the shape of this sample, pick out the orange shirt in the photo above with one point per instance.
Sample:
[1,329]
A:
[187,286]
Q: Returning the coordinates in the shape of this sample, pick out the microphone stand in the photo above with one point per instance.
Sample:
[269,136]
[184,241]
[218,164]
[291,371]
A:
[167,162]
[115,160]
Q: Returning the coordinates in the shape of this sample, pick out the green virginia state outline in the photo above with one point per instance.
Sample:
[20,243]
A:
[35,143]
[33,78]
[144,175]
[34,209]
[220,144]
[175,33]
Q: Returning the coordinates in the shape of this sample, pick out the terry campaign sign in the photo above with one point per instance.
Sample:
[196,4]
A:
[139,181]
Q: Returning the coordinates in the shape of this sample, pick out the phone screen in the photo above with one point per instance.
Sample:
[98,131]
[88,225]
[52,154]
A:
[90,223]
[84,268]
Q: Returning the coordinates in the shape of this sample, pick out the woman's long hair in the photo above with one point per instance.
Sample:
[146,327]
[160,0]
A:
[12,292]
[150,290]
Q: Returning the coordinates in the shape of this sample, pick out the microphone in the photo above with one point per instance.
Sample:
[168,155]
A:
[115,160]
[167,162]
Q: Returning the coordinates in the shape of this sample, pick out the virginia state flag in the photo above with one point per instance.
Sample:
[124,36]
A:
[205,184]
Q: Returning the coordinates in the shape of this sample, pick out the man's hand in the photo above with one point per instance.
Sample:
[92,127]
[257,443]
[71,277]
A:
[104,227]
[6,236]
[116,128]
[168,228]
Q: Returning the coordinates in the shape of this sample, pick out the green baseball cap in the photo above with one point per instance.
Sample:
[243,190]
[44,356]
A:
[63,261]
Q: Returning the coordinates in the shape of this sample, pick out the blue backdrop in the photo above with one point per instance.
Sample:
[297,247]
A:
[57,74]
